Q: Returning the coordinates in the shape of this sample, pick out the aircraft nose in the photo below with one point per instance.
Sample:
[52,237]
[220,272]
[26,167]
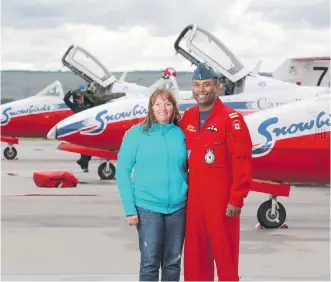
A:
[52,134]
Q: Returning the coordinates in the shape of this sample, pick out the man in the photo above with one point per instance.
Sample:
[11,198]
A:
[219,158]
[80,103]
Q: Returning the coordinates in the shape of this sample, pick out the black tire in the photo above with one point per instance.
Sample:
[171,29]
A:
[264,215]
[102,171]
[10,155]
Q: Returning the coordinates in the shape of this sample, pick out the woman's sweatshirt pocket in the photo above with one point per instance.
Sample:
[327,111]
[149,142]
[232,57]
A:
[153,189]
[179,188]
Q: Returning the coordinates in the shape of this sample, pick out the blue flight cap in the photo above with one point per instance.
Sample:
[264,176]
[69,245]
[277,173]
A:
[82,87]
[78,94]
[204,71]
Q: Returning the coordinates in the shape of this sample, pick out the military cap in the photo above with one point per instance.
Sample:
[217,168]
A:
[204,71]
[78,94]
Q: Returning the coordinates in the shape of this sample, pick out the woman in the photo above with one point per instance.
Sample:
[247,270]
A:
[155,199]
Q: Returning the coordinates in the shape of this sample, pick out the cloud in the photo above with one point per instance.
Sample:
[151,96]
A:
[116,50]
[295,13]
[140,34]
[162,17]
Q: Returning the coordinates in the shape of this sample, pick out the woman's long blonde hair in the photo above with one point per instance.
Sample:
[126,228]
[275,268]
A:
[166,94]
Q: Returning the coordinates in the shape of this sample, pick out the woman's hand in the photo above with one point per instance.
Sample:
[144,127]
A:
[133,220]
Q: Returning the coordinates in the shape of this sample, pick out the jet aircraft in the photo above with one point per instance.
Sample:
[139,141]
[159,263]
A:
[290,129]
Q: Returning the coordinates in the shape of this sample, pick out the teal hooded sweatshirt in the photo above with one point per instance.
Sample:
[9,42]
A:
[159,160]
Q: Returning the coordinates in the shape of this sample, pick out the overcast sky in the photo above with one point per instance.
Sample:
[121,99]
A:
[140,34]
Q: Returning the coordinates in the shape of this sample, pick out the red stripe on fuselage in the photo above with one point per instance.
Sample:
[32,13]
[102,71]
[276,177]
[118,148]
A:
[304,159]
[109,139]
[34,125]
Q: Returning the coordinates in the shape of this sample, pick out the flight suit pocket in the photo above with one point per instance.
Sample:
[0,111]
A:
[241,149]
[215,154]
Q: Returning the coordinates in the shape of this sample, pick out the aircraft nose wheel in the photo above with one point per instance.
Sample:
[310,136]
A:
[271,214]
[107,170]
[10,153]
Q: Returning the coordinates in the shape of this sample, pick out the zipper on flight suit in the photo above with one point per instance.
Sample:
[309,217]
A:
[208,118]
[167,153]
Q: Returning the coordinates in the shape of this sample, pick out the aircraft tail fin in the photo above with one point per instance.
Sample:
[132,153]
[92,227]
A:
[167,81]
[123,76]
[174,88]
[257,68]
[305,71]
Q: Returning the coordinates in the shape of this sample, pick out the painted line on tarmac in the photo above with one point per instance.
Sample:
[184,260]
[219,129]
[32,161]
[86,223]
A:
[45,195]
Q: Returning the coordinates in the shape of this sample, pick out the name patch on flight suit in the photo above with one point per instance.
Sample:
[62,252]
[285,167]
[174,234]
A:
[191,128]
[210,156]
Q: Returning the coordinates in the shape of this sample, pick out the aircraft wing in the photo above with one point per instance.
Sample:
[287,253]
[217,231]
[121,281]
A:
[103,154]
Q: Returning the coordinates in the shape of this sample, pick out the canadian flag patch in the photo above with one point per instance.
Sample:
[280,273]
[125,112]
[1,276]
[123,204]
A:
[236,126]
[236,122]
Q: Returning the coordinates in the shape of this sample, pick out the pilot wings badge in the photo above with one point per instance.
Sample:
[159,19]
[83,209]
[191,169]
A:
[210,156]
[212,128]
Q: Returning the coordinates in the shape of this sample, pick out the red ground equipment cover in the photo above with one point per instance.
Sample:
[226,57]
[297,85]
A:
[55,179]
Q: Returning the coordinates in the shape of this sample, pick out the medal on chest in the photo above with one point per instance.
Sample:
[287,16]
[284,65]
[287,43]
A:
[210,157]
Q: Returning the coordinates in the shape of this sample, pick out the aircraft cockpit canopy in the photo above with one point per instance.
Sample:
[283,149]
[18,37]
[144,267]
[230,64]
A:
[198,45]
[88,67]
[54,89]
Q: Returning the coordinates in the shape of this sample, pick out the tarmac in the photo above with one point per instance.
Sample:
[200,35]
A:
[68,234]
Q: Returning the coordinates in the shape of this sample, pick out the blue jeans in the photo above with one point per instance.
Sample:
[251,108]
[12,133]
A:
[161,239]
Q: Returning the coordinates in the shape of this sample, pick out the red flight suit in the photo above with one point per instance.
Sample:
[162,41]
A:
[219,173]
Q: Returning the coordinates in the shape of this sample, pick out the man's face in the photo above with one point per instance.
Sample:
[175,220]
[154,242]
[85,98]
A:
[79,100]
[205,91]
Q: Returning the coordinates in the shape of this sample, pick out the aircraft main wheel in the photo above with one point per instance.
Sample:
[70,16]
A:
[10,154]
[105,173]
[266,219]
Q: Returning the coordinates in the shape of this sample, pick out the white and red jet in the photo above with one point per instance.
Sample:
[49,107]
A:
[36,115]
[290,130]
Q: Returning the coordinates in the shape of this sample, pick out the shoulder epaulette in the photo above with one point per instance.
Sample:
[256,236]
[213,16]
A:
[234,115]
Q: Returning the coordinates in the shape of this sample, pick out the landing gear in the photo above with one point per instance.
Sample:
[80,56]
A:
[271,213]
[10,152]
[107,170]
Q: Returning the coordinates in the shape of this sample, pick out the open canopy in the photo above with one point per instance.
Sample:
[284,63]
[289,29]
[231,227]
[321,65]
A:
[198,45]
[88,67]
[54,89]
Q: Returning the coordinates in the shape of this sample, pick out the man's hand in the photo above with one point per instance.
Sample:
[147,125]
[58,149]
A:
[133,220]
[232,211]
